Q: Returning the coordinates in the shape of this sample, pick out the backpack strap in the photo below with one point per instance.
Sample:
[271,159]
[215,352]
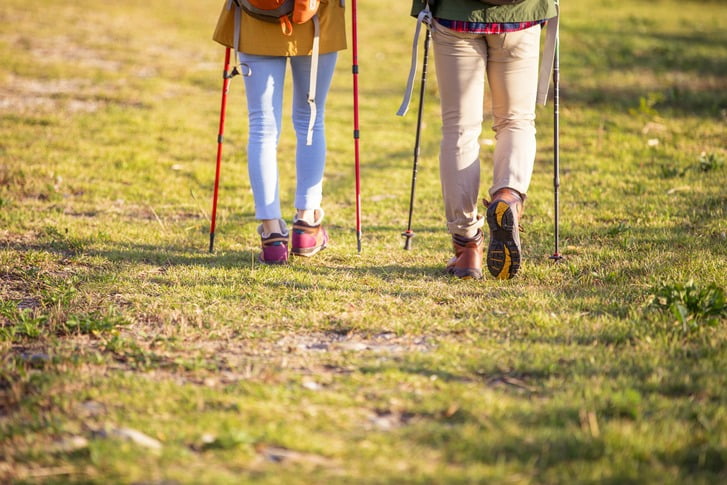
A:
[424,17]
[546,67]
[287,28]
[244,68]
[313,77]
[285,25]
[238,14]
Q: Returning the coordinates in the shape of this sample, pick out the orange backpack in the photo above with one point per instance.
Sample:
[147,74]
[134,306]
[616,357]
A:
[286,12]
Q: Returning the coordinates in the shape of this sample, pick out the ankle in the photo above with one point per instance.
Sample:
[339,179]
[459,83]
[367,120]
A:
[272,226]
[508,195]
[312,217]
[462,240]
[512,197]
[306,215]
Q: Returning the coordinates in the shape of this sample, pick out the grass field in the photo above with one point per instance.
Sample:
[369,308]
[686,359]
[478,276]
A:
[129,354]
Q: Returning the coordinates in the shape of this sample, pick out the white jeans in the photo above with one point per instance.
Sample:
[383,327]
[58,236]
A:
[463,61]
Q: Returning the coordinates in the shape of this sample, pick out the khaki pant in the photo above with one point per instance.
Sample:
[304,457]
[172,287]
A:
[510,62]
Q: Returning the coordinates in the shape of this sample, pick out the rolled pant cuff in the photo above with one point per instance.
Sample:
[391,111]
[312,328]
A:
[465,228]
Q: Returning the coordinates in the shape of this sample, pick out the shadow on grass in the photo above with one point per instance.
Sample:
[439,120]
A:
[683,52]
[682,55]
[677,99]
[192,256]
[603,272]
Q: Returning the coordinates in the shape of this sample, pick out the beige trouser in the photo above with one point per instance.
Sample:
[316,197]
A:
[511,63]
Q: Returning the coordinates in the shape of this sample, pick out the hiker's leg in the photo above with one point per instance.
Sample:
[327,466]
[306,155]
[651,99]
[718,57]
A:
[512,72]
[310,159]
[264,93]
[460,65]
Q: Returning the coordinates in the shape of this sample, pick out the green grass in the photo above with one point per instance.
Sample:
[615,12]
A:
[356,368]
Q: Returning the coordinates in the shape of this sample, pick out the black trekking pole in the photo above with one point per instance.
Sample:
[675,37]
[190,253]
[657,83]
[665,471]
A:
[556,256]
[408,234]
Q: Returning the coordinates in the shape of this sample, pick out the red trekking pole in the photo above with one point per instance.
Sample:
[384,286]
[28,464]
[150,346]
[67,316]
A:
[226,76]
[354,55]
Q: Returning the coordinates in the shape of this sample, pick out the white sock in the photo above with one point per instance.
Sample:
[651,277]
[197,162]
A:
[307,215]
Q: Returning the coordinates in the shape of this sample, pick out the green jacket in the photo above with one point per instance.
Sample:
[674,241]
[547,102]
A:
[478,11]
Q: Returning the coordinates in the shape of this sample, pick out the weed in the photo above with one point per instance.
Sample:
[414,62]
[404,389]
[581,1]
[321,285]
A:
[624,403]
[60,294]
[616,229]
[61,240]
[29,325]
[647,105]
[195,363]
[7,333]
[671,170]
[692,306]
[94,323]
[20,322]
[128,351]
[227,440]
[709,162]
[8,308]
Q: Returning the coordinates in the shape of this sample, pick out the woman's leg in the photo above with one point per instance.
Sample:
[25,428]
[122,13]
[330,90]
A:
[310,160]
[460,61]
[264,93]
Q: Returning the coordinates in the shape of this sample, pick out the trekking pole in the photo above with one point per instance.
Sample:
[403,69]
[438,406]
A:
[556,256]
[226,76]
[408,234]
[357,165]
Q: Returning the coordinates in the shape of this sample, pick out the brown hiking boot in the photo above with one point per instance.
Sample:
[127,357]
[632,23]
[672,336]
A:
[503,216]
[467,260]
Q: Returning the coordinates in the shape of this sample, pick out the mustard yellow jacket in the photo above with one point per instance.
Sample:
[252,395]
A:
[258,37]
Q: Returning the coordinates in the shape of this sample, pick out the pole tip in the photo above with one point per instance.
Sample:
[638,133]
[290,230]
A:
[556,257]
[212,242]
[407,235]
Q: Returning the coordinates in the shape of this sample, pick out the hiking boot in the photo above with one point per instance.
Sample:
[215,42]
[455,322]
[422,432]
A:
[467,260]
[308,239]
[503,252]
[274,245]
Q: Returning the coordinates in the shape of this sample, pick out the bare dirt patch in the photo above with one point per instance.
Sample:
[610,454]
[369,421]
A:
[22,95]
